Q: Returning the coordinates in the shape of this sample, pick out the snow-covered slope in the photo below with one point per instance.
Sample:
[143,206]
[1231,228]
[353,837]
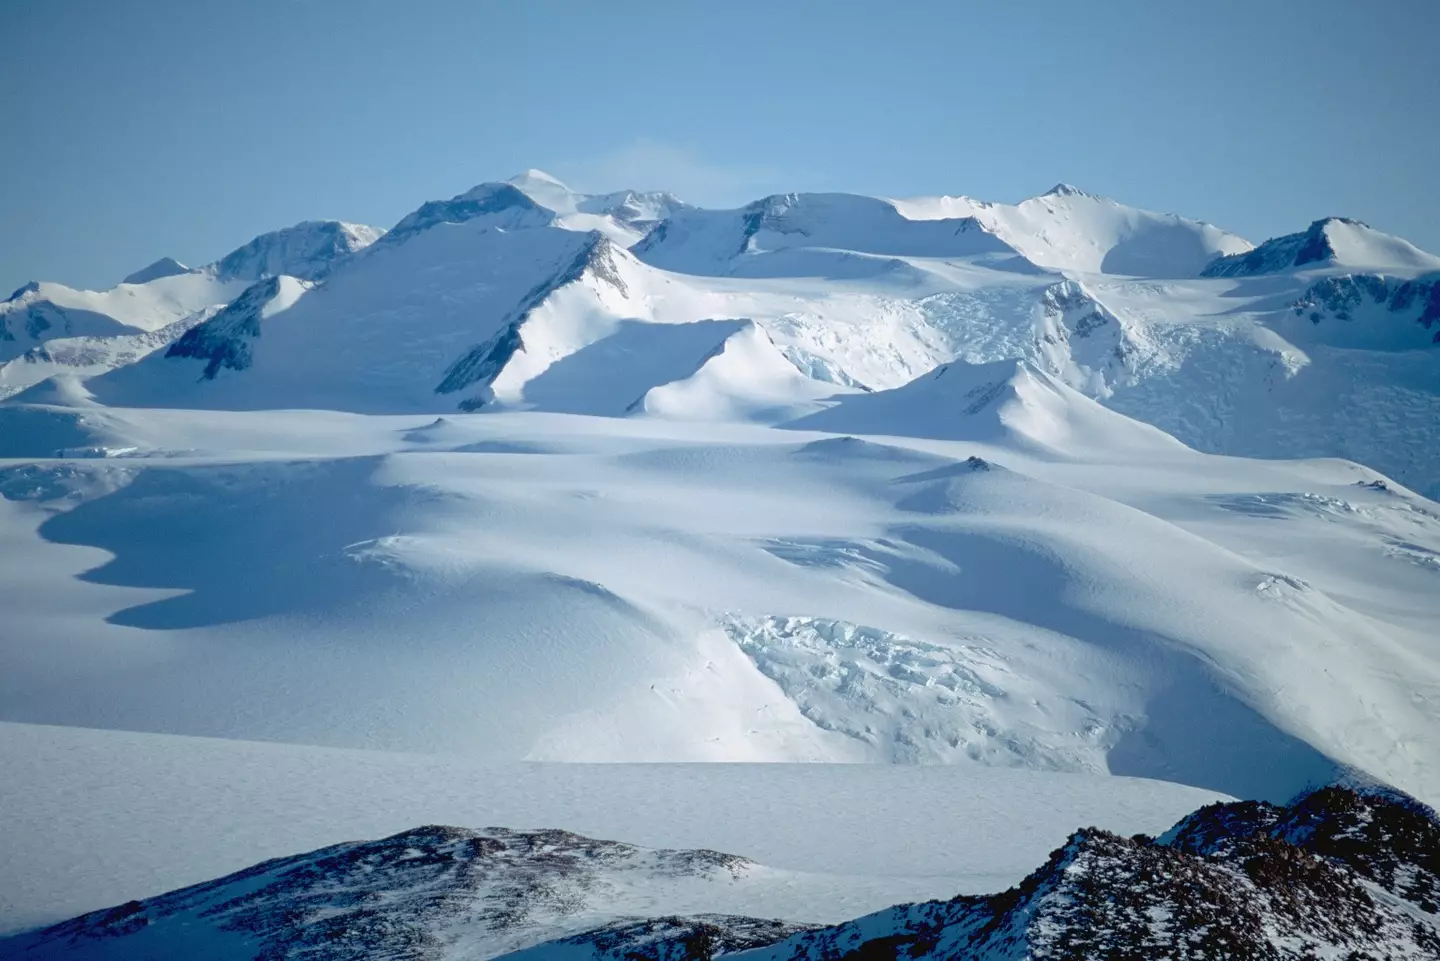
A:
[308,250]
[575,588]
[627,214]
[745,242]
[1070,230]
[1331,242]
[1005,402]
[164,267]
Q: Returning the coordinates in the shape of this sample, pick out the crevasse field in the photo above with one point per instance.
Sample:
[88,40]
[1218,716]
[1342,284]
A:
[949,526]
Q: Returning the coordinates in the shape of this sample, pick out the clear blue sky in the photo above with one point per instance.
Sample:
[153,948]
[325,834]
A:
[184,127]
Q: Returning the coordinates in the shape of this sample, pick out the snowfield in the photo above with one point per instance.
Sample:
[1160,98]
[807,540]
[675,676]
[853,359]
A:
[100,817]
[557,587]
[1002,520]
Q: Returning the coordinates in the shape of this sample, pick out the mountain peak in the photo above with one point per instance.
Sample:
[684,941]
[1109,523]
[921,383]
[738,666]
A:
[164,267]
[30,288]
[1328,242]
[505,201]
[1063,189]
[1347,221]
[535,176]
[307,250]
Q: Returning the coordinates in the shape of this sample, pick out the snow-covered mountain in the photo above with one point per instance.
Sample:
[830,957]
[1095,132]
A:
[49,329]
[1007,402]
[1331,242]
[1337,874]
[1067,229]
[767,237]
[428,893]
[164,267]
[854,292]
[1337,871]
[308,250]
[637,211]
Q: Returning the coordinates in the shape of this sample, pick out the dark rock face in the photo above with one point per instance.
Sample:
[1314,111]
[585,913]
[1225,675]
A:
[480,365]
[224,340]
[1339,297]
[1340,873]
[1311,246]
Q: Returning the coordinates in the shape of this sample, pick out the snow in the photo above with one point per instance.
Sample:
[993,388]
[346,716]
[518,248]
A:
[744,378]
[1069,230]
[100,817]
[856,293]
[521,585]
[308,250]
[952,501]
[164,267]
[1007,402]
[741,241]
[1332,242]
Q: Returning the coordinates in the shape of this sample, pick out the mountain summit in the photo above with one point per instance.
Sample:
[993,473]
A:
[1331,242]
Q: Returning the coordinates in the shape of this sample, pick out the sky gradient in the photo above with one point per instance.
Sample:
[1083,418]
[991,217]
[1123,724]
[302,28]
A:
[185,127]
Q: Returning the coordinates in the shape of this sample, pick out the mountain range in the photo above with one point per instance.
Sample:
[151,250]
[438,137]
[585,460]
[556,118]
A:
[1108,508]
[515,295]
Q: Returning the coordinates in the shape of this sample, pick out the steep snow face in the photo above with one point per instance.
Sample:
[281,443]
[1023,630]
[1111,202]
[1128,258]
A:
[308,251]
[496,206]
[224,339]
[164,267]
[575,307]
[745,377]
[1070,230]
[1332,242]
[737,241]
[382,331]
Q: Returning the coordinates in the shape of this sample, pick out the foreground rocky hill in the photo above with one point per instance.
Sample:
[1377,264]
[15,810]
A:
[1340,873]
